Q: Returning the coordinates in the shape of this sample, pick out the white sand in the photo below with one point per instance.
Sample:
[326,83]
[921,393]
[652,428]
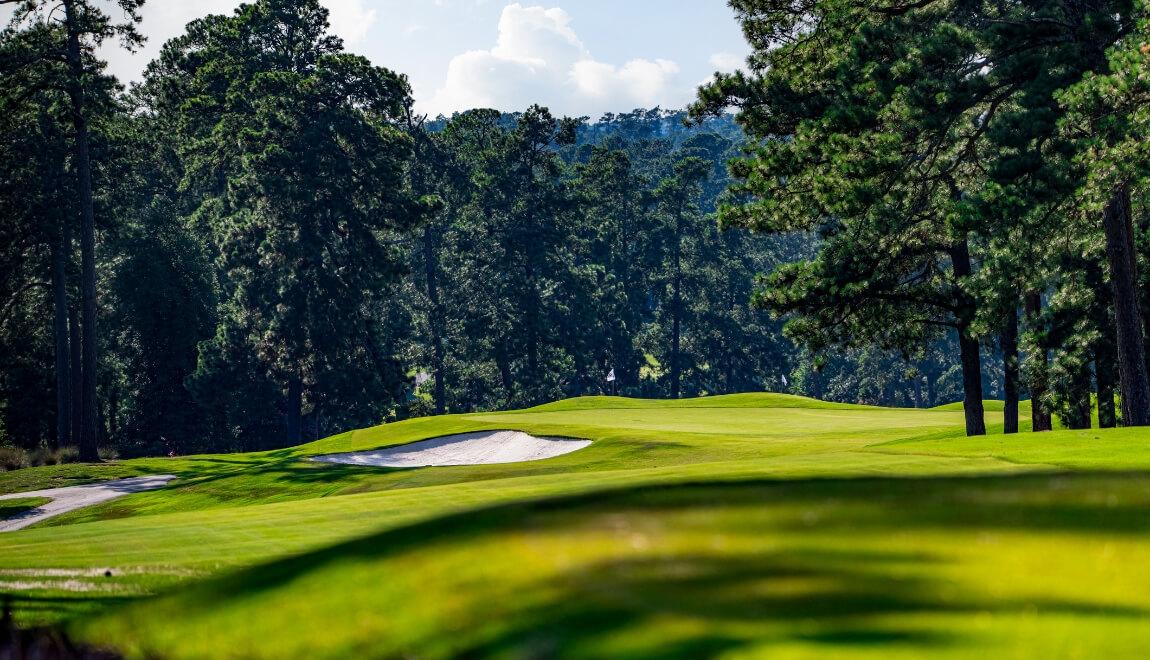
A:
[479,448]
[71,498]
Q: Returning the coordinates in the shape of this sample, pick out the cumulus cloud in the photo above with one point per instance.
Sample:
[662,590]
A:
[726,62]
[163,20]
[538,58]
[350,19]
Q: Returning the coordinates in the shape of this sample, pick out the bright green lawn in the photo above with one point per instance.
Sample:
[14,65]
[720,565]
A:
[18,505]
[751,525]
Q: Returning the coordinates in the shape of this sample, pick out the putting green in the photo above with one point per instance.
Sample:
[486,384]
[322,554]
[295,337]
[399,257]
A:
[753,525]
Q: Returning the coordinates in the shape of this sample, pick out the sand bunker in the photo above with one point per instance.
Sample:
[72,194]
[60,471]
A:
[479,448]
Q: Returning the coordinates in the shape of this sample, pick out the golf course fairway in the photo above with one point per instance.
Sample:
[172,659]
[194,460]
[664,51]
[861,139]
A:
[755,525]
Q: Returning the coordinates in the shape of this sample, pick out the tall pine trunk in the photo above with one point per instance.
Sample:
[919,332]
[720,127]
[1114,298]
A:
[1039,416]
[89,417]
[60,330]
[1010,372]
[971,383]
[968,347]
[1078,405]
[1132,376]
[75,360]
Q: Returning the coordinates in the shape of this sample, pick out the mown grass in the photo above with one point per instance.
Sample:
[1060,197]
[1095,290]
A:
[745,400]
[68,474]
[747,525]
[1036,566]
[633,435]
[15,506]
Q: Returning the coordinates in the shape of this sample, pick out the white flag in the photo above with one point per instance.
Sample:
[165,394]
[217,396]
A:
[611,376]
[784,377]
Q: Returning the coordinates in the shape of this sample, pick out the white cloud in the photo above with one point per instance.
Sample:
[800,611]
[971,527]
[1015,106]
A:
[726,62]
[642,80]
[165,19]
[161,21]
[534,33]
[538,58]
[350,19]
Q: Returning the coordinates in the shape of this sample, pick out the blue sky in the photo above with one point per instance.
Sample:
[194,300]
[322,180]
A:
[580,57]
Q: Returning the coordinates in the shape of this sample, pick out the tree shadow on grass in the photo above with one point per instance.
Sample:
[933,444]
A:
[1085,502]
[827,599]
[32,607]
[723,594]
[834,598]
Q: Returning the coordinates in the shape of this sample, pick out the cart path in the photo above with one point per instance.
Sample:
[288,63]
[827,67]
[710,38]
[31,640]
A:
[70,498]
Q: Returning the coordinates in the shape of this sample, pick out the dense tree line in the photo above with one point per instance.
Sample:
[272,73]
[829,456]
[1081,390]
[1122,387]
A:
[263,241]
[967,166]
[281,248]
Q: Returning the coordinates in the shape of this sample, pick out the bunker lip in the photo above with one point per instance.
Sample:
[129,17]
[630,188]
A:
[476,448]
[70,498]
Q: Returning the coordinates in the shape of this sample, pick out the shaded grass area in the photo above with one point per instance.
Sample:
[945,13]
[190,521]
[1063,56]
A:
[16,506]
[945,567]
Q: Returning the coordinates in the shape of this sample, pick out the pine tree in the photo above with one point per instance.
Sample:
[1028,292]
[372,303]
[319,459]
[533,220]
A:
[679,196]
[82,26]
[299,155]
[933,118]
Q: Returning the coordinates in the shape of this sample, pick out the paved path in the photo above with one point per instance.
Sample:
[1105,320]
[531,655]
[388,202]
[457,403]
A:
[71,498]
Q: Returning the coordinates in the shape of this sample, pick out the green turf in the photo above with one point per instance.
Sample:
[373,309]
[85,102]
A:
[748,400]
[751,525]
[988,406]
[15,506]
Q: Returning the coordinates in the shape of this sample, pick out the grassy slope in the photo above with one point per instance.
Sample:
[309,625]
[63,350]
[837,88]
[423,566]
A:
[734,524]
